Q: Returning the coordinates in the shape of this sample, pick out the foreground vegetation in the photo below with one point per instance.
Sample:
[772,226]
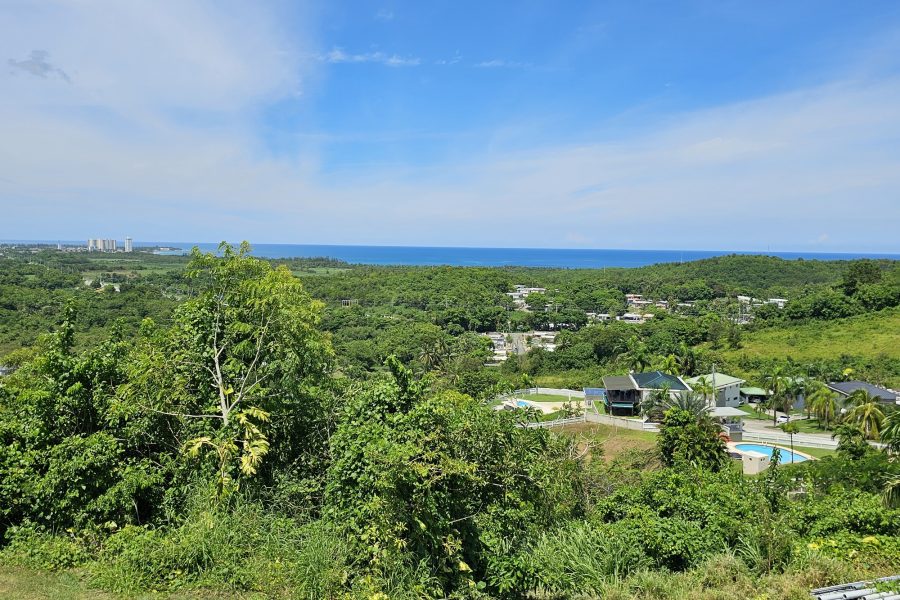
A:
[261,440]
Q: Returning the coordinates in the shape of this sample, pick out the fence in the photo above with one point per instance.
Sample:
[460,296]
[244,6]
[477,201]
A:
[556,423]
[800,440]
[595,417]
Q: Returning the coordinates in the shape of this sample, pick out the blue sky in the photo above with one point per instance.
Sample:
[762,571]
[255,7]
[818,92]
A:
[682,125]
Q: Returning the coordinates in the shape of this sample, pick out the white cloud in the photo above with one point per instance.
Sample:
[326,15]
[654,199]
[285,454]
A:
[384,15]
[499,63]
[338,55]
[153,138]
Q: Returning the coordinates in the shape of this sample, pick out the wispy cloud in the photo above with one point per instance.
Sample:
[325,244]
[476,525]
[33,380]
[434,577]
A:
[38,65]
[338,55]
[106,154]
[499,63]
[384,15]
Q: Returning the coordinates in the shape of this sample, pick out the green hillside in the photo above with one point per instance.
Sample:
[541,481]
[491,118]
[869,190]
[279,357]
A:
[870,336]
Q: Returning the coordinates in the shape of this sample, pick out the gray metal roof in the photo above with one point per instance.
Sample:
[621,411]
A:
[848,387]
[863,590]
[619,382]
[656,380]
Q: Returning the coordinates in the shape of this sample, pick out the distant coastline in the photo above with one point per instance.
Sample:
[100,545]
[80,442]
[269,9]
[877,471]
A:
[503,257]
[567,258]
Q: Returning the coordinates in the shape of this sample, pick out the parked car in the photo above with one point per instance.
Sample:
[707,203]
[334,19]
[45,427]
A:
[783,418]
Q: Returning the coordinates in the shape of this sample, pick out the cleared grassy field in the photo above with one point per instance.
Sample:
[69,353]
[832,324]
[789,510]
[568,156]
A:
[868,335]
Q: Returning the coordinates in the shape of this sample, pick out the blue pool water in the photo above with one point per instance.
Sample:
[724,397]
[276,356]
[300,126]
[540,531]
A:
[522,404]
[786,455]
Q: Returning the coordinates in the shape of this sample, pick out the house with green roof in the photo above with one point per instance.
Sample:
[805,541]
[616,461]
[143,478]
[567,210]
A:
[727,388]
[624,393]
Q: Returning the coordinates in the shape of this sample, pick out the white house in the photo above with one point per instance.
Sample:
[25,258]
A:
[727,388]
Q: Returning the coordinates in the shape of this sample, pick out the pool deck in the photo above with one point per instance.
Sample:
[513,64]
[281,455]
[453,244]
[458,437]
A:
[733,447]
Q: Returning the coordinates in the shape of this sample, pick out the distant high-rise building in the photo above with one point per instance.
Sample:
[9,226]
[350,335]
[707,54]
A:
[129,247]
[110,246]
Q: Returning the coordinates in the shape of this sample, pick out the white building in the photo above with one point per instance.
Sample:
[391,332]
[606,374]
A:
[129,246]
[727,388]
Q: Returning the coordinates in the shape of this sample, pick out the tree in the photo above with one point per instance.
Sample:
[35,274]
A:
[851,440]
[890,432]
[690,402]
[866,413]
[704,387]
[823,404]
[243,350]
[791,428]
[669,365]
[636,355]
[776,383]
[860,272]
[687,359]
[686,441]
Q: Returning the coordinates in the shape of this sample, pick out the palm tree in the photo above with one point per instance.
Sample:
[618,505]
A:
[654,404]
[690,402]
[890,433]
[823,403]
[669,365]
[704,388]
[687,359]
[891,493]
[791,428]
[866,413]
[776,383]
[636,356]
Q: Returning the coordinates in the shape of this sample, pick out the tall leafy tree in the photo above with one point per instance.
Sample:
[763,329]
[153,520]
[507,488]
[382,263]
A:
[238,363]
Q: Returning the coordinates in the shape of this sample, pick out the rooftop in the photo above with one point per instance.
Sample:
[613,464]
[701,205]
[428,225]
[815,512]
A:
[848,387]
[619,382]
[722,380]
[655,380]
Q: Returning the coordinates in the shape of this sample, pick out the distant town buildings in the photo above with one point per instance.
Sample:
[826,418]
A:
[101,245]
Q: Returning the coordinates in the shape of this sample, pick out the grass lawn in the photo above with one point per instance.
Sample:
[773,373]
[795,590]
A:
[810,426]
[26,584]
[752,414]
[817,452]
[615,440]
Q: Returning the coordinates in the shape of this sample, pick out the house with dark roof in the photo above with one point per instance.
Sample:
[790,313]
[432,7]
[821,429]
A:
[624,393]
[845,388]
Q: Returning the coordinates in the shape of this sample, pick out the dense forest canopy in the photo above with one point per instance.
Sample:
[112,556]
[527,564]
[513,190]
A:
[307,428]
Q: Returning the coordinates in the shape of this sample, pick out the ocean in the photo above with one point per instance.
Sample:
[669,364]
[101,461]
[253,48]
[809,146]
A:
[503,257]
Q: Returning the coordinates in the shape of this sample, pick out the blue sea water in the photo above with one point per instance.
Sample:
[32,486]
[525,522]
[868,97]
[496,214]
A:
[500,257]
[488,257]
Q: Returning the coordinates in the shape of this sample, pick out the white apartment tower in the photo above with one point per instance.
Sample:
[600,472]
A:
[129,246]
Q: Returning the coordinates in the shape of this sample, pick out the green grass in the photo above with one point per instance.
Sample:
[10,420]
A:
[869,335]
[817,452]
[28,584]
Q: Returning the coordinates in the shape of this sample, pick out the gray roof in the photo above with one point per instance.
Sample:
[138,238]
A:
[848,387]
[619,382]
[656,380]
[863,590]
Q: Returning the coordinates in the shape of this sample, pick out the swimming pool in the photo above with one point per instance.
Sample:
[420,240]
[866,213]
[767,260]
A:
[786,455]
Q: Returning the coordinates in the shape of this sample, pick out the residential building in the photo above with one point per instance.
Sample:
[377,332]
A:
[624,393]
[129,245]
[727,388]
[753,394]
[845,388]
